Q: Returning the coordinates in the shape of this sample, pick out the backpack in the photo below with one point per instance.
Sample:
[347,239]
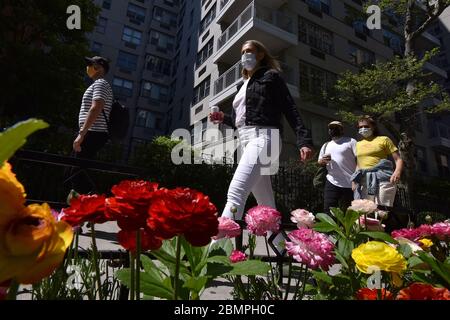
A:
[119,121]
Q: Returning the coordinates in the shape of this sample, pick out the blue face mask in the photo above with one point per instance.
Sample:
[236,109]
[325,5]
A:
[248,61]
[366,132]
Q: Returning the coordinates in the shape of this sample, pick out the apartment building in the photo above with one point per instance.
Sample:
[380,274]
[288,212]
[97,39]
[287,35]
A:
[315,40]
[149,45]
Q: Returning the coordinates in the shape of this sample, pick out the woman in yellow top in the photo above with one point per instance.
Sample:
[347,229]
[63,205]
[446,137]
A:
[375,178]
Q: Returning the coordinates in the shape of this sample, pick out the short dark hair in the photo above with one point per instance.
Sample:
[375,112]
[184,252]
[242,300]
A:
[371,121]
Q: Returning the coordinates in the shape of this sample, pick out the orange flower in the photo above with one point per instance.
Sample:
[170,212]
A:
[32,242]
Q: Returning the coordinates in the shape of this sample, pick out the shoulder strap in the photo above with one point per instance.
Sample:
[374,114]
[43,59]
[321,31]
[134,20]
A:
[325,147]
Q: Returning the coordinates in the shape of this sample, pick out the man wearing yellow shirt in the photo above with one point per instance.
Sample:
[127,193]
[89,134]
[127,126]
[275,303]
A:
[375,178]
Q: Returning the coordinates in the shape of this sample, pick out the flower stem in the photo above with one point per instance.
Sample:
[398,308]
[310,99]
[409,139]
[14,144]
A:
[304,282]
[177,269]
[298,282]
[95,258]
[271,268]
[132,275]
[138,264]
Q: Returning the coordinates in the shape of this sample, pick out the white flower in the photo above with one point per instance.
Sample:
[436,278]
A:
[302,218]
[365,206]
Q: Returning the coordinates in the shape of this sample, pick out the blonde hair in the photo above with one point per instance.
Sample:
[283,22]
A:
[268,60]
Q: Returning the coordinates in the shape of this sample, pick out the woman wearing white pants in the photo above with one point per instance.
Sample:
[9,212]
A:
[257,109]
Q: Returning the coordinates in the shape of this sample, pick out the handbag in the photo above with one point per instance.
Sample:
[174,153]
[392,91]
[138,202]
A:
[321,174]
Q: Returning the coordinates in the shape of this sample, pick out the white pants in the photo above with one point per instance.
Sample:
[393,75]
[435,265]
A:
[260,148]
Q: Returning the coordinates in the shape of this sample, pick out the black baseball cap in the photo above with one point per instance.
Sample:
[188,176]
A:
[98,60]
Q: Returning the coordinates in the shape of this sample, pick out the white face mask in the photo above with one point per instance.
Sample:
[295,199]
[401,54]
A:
[248,61]
[366,132]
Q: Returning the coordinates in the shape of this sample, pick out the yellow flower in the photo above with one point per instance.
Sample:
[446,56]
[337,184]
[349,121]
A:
[426,243]
[375,255]
[32,242]
[12,194]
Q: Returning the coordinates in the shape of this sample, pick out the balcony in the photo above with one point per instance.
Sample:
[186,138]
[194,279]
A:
[271,27]
[229,9]
[427,41]
[439,135]
[437,71]
[225,85]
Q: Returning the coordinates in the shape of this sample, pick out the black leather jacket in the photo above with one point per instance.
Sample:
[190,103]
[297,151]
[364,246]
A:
[267,98]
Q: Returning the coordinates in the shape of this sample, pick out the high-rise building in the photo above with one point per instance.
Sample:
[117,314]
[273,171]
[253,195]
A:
[314,39]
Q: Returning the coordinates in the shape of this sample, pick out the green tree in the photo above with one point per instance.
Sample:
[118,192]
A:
[393,92]
[41,62]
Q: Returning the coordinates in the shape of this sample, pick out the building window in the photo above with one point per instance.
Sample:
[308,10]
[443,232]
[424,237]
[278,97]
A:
[357,20]
[148,119]
[136,13]
[122,87]
[96,48]
[315,36]
[393,41]
[205,53]
[158,64]
[166,19]
[162,41]
[320,5]
[154,91]
[202,90]
[127,61]
[421,159]
[131,35]
[443,167]
[360,56]
[101,25]
[206,21]
[315,82]
[106,4]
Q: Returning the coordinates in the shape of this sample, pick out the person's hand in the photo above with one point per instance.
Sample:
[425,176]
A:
[323,161]
[77,143]
[395,178]
[305,154]
[216,117]
[354,186]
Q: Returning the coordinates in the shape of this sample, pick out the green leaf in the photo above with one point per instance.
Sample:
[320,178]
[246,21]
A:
[196,283]
[414,261]
[340,216]
[169,261]
[341,259]
[351,217]
[326,218]
[440,268]
[219,259]
[322,276]
[151,268]
[196,255]
[405,250]
[380,236]
[249,268]
[217,269]
[345,247]
[149,285]
[221,247]
[15,137]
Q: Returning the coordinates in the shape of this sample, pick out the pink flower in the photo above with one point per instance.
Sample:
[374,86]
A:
[237,256]
[441,230]
[227,229]
[371,224]
[261,219]
[365,206]
[302,218]
[311,248]
[410,234]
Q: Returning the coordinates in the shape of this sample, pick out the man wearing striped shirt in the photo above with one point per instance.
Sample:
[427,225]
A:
[94,111]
